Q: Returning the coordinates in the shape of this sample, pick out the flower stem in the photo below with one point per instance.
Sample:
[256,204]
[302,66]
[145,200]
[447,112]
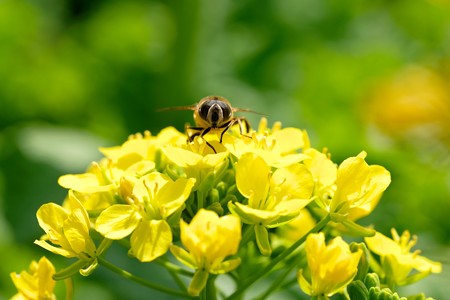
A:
[211,293]
[265,271]
[200,200]
[142,281]
[279,280]
[248,234]
[69,288]
[173,267]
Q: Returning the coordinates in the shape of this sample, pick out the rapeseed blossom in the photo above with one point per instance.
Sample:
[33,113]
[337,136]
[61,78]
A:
[273,199]
[331,267]
[213,199]
[358,187]
[209,239]
[154,199]
[66,228]
[397,260]
[37,283]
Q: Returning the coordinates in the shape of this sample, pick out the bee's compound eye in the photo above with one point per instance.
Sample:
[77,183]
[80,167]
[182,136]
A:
[226,110]
[204,109]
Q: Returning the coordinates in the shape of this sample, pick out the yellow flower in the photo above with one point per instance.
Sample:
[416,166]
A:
[198,160]
[68,229]
[330,267]
[37,283]
[396,259]
[358,187]
[209,239]
[97,187]
[155,198]
[133,159]
[143,147]
[278,147]
[324,172]
[273,199]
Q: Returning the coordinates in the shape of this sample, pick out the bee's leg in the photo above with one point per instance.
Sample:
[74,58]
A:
[199,132]
[204,132]
[247,126]
[210,146]
[226,126]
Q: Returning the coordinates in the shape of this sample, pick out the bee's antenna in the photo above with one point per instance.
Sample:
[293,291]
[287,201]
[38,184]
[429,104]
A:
[191,107]
[235,109]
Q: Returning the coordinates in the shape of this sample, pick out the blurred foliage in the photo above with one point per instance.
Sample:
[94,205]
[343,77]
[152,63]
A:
[78,74]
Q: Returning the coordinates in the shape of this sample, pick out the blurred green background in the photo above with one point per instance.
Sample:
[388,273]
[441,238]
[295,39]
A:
[358,75]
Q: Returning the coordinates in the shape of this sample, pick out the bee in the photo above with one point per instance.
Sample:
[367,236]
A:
[214,114]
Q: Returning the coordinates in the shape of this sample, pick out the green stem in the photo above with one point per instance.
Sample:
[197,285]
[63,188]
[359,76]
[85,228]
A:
[288,284]
[71,270]
[279,280]
[177,280]
[200,200]
[173,267]
[211,293]
[203,295]
[142,281]
[69,288]
[265,271]
[248,234]
[104,245]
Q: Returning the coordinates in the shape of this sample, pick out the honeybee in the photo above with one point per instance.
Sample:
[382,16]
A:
[214,113]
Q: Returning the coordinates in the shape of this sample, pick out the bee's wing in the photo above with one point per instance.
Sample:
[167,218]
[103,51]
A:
[190,107]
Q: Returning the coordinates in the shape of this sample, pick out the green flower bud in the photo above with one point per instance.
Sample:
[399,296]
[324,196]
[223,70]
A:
[357,290]
[222,188]
[372,280]
[363,265]
[216,207]
[213,196]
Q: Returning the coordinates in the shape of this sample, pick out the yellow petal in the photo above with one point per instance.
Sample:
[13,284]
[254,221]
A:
[76,231]
[56,250]
[321,167]
[294,181]
[150,240]
[51,217]
[211,160]
[181,157]
[378,180]
[44,274]
[117,221]
[382,245]
[85,183]
[173,194]
[252,177]
[351,178]
[289,139]
[424,264]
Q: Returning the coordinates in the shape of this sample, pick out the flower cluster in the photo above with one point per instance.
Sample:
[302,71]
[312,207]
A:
[218,203]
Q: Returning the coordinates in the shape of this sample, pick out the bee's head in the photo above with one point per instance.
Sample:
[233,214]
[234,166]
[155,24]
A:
[215,110]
